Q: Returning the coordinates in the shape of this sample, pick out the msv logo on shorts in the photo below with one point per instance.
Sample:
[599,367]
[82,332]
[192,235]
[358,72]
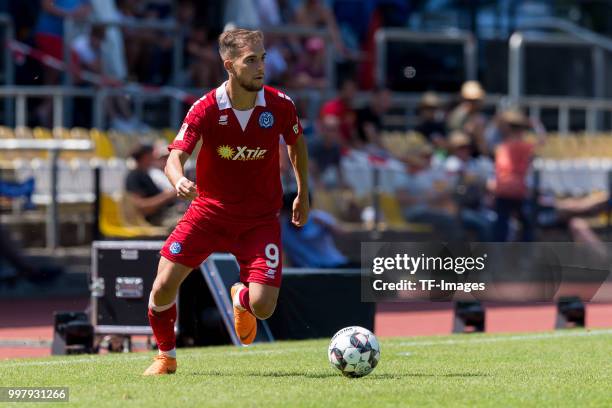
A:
[175,248]
[240,153]
[266,120]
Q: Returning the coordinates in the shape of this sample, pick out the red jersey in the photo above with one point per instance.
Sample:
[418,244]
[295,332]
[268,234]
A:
[238,171]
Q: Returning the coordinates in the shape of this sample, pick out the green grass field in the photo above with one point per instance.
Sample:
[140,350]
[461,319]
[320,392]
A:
[565,368]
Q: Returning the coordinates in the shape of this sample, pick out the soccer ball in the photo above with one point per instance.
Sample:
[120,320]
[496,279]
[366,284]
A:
[354,351]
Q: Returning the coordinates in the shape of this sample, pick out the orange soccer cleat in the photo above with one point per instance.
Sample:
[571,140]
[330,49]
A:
[245,323]
[161,365]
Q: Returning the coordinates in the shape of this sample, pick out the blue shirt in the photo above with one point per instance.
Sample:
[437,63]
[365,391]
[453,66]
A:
[312,245]
[50,24]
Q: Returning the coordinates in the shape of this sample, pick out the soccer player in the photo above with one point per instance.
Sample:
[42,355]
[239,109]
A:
[237,195]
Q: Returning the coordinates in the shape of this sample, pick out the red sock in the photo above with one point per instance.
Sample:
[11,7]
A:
[244,299]
[162,324]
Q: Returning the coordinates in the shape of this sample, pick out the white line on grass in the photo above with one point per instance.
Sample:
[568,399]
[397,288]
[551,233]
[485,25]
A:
[552,335]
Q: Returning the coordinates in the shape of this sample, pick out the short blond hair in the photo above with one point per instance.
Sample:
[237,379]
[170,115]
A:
[231,41]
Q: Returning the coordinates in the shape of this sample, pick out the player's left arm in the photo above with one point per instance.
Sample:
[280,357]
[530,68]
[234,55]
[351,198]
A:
[298,154]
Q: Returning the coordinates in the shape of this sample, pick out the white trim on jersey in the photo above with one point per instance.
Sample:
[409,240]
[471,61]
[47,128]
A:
[243,116]
[223,99]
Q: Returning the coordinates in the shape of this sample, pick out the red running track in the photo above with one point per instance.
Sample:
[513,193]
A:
[31,321]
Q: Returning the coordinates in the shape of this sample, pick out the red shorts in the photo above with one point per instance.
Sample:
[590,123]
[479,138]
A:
[256,246]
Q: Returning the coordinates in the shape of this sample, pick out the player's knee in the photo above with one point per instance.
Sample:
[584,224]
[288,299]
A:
[163,292]
[263,309]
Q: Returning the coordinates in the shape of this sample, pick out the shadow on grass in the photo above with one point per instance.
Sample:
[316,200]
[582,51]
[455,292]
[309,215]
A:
[213,373]
[374,376]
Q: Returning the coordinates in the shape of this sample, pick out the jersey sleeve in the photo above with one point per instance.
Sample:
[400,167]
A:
[191,130]
[294,128]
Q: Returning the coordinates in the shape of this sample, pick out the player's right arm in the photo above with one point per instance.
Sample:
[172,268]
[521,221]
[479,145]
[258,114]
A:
[181,148]
[175,172]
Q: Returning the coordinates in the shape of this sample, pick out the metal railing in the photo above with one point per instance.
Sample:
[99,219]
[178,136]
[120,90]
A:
[574,36]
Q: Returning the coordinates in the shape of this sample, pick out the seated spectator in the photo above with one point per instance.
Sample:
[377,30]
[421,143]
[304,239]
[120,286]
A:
[342,108]
[430,122]
[426,195]
[88,49]
[462,162]
[152,202]
[156,172]
[370,122]
[575,211]
[468,117]
[513,159]
[470,176]
[325,153]
[311,246]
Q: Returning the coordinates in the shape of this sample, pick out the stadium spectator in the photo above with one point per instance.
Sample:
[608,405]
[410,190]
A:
[315,14]
[325,152]
[149,51]
[50,25]
[426,195]
[87,48]
[370,122]
[50,40]
[269,13]
[152,202]
[470,176]
[113,48]
[241,13]
[156,172]
[468,116]
[134,41]
[278,59]
[312,245]
[513,159]
[430,122]
[342,108]
[310,70]
[575,211]
[202,59]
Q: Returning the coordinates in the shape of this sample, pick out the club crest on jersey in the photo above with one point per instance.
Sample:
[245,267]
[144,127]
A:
[223,120]
[242,153]
[175,248]
[266,120]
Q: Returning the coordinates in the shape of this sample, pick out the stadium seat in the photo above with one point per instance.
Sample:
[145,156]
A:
[104,148]
[169,134]
[392,214]
[79,133]
[6,133]
[42,133]
[134,219]
[112,222]
[23,132]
